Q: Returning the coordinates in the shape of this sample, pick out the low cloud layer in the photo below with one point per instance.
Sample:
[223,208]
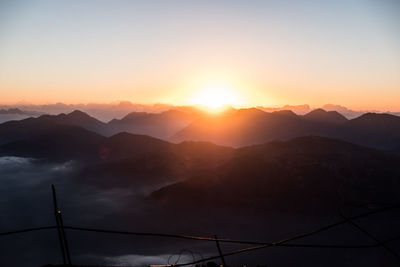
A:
[26,201]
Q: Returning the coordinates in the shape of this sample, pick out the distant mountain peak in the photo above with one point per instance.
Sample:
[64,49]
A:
[372,118]
[249,111]
[121,136]
[305,106]
[378,115]
[335,107]
[80,116]
[134,115]
[174,112]
[77,113]
[129,139]
[317,111]
[126,135]
[286,113]
[11,111]
[322,115]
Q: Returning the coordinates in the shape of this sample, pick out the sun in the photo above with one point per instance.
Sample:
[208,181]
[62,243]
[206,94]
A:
[215,98]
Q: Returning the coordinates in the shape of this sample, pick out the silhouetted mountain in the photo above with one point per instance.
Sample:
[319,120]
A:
[298,109]
[234,128]
[375,130]
[348,113]
[308,173]
[35,127]
[128,158]
[139,159]
[11,111]
[159,125]
[325,117]
[253,126]
[246,127]
[11,114]
[76,118]
[17,111]
[51,141]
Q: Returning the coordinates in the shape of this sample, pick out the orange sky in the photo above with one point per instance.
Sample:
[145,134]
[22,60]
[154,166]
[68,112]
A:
[264,53]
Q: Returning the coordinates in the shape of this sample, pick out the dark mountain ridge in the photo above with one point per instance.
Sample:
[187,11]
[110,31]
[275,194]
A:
[235,128]
[307,174]
[119,160]
[327,117]
[50,141]
[251,126]
[159,125]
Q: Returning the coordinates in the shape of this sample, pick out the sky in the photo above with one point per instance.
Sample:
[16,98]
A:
[246,53]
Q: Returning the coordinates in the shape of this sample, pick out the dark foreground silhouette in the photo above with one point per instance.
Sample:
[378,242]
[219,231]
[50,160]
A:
[137,183]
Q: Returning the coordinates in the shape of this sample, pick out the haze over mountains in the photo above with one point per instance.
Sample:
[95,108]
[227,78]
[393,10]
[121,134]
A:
[8,114]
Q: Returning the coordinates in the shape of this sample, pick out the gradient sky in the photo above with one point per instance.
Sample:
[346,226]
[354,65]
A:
[269,53]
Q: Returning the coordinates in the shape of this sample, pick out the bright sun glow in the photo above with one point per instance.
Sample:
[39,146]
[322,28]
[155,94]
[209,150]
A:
[215,97]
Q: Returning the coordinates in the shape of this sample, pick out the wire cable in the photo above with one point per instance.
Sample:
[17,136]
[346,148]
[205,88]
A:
[321,229]
[361,229]
[28,230]
[282,242]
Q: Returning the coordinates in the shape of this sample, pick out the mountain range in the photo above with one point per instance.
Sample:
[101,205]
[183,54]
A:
[303,175]
[252,126]
[160,125]
[234,128]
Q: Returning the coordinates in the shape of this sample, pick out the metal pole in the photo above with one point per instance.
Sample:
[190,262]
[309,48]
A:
[64,238]
[60,228]
[58,224]
[219,251]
